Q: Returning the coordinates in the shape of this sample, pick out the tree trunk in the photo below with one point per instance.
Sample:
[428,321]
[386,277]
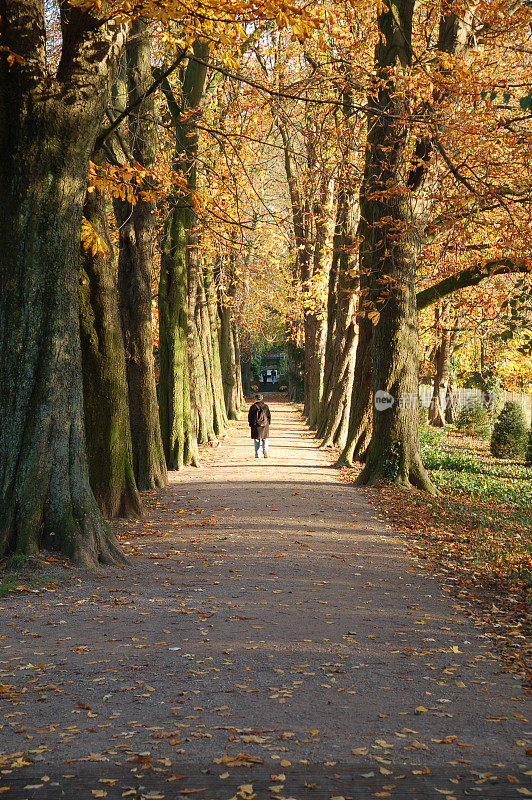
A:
[208,409]
[105,396]
[361,410]
[221,422]
[178,437]
[245,362]
[335,406]
[135,271]
[229,362]
[388,255]
[315,336]
[442,360]
[47,134]
[228,345]
[241,400]
[178,346]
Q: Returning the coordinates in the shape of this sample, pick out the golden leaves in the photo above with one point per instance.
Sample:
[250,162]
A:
[11,56]
[91,240]
[240,760]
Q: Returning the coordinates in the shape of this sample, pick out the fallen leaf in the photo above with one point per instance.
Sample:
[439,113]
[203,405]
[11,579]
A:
[418,745]
[240,760]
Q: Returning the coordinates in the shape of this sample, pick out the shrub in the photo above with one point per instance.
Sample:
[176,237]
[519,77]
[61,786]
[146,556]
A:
[423,414]
[528,456]
[510,432]
[473,420]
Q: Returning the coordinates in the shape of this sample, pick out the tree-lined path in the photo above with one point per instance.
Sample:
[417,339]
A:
[269,634]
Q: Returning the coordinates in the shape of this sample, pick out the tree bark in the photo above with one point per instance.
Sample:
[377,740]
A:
[105,396]
[230,363]
[135,271]
[178,345]
[221,421]
[179,441]
[388,255]
[48,127]
[442,361]
[338,381]
[228,345]
[361,410]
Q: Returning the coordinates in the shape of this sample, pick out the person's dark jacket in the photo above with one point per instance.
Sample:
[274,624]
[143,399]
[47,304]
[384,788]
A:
[257,432]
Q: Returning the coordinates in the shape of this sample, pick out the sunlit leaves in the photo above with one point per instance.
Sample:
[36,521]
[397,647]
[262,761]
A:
[91,240]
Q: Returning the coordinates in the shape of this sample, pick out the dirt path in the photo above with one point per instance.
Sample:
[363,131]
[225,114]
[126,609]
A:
[275,629]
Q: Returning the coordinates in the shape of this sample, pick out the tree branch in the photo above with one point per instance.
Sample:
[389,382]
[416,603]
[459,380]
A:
[469,277]
[125,113]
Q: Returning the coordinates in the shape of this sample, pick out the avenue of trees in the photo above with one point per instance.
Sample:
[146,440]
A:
[188,178]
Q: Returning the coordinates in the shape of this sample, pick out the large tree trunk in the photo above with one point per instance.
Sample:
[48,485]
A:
[48,129]
[206,393]
[178,346]
[315,337]
[105,395]
[316,319]
[388,255]
[230,363]
[228,344]
[221,421]
[361,410]
[135,270]
[336,399]
[179,441]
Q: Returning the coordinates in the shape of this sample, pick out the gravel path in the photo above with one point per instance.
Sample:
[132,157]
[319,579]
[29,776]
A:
[271,639]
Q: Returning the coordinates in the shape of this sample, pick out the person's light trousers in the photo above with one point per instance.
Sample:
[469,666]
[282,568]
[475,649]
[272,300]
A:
[260,443]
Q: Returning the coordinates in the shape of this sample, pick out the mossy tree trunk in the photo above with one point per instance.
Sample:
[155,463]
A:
[48,130]
[388,255]
[135,272]
[178,346]
[179,440]
[105,393]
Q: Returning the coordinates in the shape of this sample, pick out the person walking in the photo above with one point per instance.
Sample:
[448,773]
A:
[259,419]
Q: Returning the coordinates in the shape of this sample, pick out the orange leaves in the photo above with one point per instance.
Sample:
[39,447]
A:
[240,760]
[132,182]
[11,56]
[91,240]
[8,692]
